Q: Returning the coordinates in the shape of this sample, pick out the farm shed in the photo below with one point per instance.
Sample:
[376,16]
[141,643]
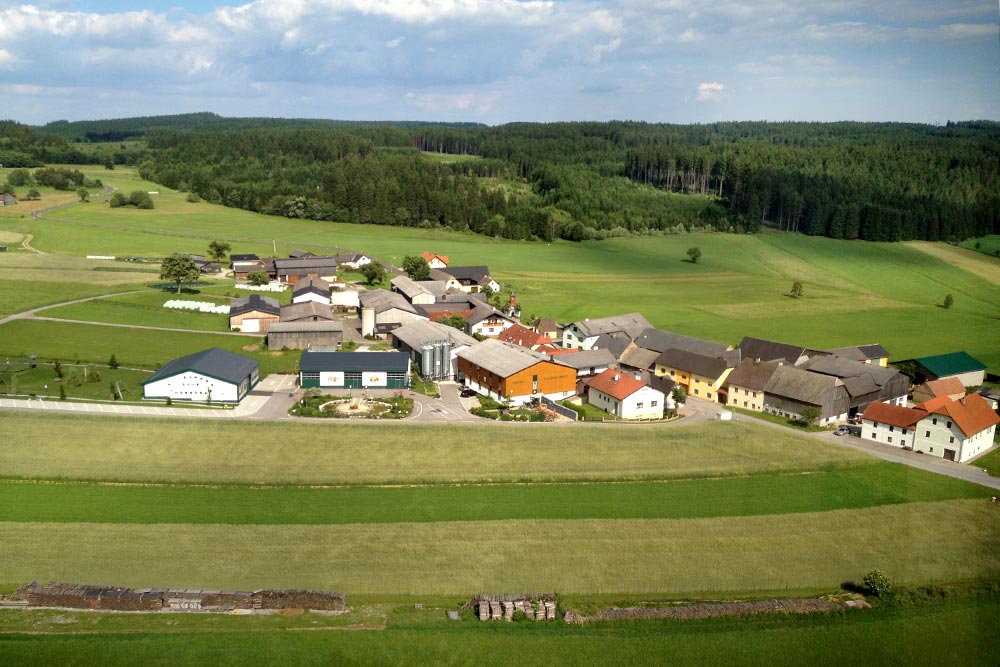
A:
[428,343]
[344,301]
[306,311]
[304,335]
[510,372]
[292,270]
[213,374]
[253,313]
[970,371]
[354,370]
[415,292]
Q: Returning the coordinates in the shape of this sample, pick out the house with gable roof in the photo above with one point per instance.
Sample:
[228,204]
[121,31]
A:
[435,261]
[253,313]
[746,383]
[210,375]
[471,278]
[951,387]
[624,396]
[509,372]
[311,289]
[701,375]
[583,335]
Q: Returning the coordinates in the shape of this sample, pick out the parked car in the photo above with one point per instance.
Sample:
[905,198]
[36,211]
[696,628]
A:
[843,430]
[466,392]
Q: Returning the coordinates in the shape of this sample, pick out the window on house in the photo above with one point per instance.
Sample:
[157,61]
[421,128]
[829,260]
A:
[927,434]
[638,406]
[671,373]
[889,439]
[874,434]
[890,429]
[708,395]
[755,394]
[653,404]
[948,425]
[934,420]
[951,439]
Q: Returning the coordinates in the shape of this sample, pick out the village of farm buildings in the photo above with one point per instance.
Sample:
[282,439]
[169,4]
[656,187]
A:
[620,368]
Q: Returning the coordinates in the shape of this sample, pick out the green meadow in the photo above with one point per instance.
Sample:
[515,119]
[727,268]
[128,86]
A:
[854,292]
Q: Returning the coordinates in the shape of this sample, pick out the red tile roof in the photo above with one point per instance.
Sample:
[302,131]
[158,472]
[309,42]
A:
[946,386]
[430,256]
[523,336]
[894,415]
[971,414]
[615,384]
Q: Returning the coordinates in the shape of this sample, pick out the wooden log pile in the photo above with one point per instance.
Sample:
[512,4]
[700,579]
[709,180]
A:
[496,607]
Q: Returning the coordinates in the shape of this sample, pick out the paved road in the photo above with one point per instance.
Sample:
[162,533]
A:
[965,471]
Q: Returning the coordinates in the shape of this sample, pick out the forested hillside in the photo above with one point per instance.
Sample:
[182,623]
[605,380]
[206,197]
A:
[873,181]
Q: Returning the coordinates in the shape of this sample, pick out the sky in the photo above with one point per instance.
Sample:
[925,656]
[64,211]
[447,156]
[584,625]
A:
[498,61]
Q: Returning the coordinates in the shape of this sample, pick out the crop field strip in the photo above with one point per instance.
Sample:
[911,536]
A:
[920,542]
[864,486]
[113,449]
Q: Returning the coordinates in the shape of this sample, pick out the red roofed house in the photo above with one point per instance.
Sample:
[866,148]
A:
[891,424]
[956,430]
[521,335]
[435,261]
[952,430]
[951,387]
[624,396]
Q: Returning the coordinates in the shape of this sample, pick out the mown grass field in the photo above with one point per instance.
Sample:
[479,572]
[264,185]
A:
[73,447]
[86,382]
[855,292]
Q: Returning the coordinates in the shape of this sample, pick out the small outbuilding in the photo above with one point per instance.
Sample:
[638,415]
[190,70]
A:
[210,375]
[970,371]
[253,313]
[305,335]
[354,370]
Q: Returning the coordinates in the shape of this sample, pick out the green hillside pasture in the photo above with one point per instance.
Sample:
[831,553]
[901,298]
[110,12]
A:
[144,348]
[34,381]
[145,309]
[915,542]
[959,632]
[987,245]
[877,484]
[49,446]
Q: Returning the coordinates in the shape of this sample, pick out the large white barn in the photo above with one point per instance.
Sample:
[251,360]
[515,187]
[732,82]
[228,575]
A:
[210,375]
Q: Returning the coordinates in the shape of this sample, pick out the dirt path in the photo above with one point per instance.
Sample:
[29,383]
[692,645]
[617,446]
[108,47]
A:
[26,244]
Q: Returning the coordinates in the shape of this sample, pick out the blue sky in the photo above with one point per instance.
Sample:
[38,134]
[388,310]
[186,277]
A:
[496,61]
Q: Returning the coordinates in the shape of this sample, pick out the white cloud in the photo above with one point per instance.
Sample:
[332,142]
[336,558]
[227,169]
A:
[710,92]
[6,58]
[393,43]
[689,36]
[968,30]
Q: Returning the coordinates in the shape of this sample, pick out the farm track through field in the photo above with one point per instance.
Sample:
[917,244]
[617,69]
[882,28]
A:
[174,631]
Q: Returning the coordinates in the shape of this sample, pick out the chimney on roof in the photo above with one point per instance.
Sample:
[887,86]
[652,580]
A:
[617,377]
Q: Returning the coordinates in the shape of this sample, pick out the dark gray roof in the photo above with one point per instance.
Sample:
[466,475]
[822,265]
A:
[616,343]
[500,358]
[585,359]
[213,362]
[382,300]
[692,362]
[848,368]
[631,323]
[803,386]
[752,374]
[245,257]
[475,274]
[661,341]
[305,327]
[310,284]
[769,350]
[304,265]
[254,302]
[861,352]
[354,361]
[640,357]
[299,254]
[483,311]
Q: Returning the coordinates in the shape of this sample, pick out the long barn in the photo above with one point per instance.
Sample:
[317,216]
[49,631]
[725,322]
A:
[354,370]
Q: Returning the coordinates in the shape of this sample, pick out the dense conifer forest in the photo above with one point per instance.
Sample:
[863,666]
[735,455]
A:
[873,181]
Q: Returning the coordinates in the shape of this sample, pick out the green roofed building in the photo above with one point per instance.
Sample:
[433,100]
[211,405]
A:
[970,371]
[354,370]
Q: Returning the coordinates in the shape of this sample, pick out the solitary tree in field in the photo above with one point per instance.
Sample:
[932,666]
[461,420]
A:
[33,195]
[83,194]
[217,250]
[693,254]
[373,272]
[113,362]
[949,301]
[178,268]
[416,267]
[796,290]
[258,278]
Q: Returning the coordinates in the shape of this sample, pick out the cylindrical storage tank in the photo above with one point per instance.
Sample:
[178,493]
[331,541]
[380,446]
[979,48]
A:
[446,359]
[438,366]
[427,360]
[367,321]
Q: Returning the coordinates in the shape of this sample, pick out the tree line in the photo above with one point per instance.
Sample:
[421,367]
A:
[578,181]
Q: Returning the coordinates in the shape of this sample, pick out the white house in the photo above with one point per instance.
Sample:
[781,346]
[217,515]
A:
[487,321]
[942,427]
[210,375]
[583,335]
[624,396]
[311,289]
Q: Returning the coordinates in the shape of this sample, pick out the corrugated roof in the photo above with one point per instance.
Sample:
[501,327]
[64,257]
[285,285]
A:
[311,284]
[698,364]
[769,350]
[586,359]
[803,386]
[416,333]
[894,415]
[953,363]
[631,323]
[476,274]
[615,384]
[354,361]
[382,300]
[502,359]
[869,352]
[661,341]
[844,368]
[213,362]
[752,374]
[944,387]
[640,357]
[304,310]
[409,287]
[309,327]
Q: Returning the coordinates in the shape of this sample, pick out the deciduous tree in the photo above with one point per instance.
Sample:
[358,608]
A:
[373,272]
[416,267]
[178,268]
[217,250]
[694,254]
